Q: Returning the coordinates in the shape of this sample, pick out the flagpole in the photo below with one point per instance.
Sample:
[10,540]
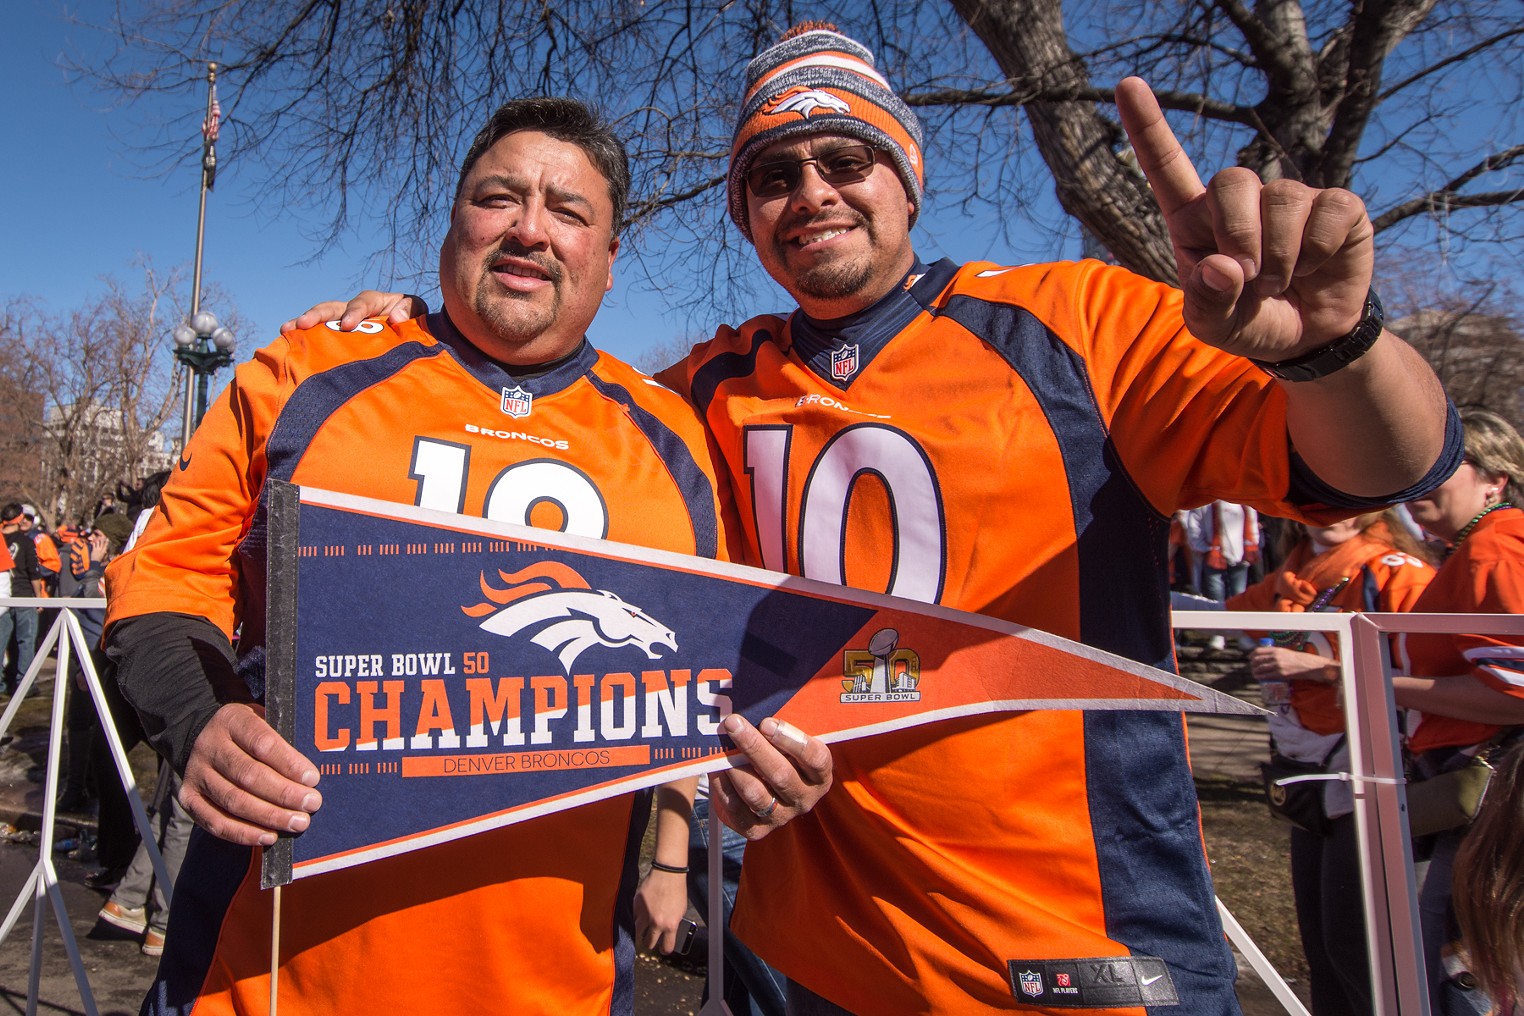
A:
[208,173]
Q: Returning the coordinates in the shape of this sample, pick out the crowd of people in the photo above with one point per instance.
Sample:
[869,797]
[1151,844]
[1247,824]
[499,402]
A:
[1038,861]
[68,563]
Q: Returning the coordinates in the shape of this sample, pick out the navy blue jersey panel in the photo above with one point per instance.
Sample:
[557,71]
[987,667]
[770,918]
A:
[722,368]
[697,490]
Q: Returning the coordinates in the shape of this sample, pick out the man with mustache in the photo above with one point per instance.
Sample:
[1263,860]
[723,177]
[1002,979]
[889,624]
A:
[1013,441]
[498,406]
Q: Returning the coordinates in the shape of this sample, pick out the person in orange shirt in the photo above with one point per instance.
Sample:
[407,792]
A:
[498,407]
[1368,563]
[18,625]
[6,565]
[1465,693]
[1012,440]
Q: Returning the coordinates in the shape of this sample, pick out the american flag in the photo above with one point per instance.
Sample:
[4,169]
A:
[209,130]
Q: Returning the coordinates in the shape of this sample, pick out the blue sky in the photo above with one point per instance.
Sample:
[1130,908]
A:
[83,204]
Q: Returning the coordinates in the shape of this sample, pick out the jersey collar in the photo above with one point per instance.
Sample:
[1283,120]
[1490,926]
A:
[538,379]
[839,350]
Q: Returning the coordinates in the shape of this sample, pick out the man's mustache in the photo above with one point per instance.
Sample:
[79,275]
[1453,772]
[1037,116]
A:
[544,262]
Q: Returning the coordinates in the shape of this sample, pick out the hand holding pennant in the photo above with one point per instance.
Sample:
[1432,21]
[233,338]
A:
[1269,270]
[525,672]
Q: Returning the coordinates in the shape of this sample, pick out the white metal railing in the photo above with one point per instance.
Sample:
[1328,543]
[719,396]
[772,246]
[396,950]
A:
[1376,778]
[1376,775]
[66,637]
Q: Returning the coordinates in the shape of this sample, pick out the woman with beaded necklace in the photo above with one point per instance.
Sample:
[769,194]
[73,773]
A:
[1465,692]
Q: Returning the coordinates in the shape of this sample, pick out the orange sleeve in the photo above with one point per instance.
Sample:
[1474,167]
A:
[1404,583]
[1260,596]
[47,553]
[186,560]
[1192,423]
[1496,660]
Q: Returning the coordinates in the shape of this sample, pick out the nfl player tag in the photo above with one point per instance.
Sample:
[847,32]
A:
[1102,982]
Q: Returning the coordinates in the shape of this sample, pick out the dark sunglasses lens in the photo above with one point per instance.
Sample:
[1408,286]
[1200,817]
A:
[846,165]
[774,179]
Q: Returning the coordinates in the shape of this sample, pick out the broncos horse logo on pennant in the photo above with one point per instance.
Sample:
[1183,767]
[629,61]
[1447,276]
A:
[560,612]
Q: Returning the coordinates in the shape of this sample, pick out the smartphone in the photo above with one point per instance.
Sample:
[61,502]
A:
[685,935]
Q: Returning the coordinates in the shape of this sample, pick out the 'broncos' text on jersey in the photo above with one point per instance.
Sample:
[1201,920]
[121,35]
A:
[414,414]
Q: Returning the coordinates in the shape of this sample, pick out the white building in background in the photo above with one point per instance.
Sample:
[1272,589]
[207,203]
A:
[89,450]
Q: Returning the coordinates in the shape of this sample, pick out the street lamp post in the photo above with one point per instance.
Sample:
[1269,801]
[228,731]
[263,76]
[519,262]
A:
[201,343]
[204,346]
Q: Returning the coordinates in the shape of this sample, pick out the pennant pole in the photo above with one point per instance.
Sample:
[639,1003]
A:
[716,919]
[275,950]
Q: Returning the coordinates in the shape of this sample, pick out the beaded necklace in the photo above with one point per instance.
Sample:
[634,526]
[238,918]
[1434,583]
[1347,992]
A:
[1479,516]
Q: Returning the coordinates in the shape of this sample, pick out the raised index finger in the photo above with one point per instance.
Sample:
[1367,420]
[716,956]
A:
[1165,164]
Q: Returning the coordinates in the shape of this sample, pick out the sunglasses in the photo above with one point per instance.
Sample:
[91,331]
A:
[839,166]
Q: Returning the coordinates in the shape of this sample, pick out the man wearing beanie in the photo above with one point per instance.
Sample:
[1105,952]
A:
[1013,441]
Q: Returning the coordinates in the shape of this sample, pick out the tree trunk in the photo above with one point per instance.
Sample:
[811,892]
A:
[1096,186]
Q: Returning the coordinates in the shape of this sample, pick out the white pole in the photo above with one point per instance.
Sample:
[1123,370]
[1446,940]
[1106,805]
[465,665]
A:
[1261,963]
[274,949]
[1398,980]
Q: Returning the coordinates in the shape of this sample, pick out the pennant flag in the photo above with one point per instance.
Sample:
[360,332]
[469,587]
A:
[210,127]
[449,675]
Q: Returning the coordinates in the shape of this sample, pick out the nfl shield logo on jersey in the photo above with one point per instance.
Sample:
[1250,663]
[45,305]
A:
[844,362]
[1031,982]
[517,401]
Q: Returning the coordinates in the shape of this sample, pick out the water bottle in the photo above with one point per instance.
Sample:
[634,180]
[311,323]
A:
[1274,693]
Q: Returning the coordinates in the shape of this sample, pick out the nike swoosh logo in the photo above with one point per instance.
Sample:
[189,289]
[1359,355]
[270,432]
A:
[184,463]
[1146,981]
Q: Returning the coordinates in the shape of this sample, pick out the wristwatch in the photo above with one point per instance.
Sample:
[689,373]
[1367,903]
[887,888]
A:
[1339,353]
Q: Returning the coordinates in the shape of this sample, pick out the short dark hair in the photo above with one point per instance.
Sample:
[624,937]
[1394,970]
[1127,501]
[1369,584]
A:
[10,513]
[569,120]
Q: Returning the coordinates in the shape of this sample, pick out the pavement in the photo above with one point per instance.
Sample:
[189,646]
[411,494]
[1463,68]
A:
[116,971]
[1224,747]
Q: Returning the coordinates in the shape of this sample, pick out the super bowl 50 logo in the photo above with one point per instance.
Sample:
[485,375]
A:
[882,673]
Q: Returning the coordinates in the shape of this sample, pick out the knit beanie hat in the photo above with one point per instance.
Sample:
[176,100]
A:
[116,529]
[818,81]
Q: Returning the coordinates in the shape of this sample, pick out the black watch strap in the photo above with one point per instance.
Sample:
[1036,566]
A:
[1339,353]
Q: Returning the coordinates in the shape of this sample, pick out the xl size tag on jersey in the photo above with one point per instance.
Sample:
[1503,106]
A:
[1102,982]
[449,675]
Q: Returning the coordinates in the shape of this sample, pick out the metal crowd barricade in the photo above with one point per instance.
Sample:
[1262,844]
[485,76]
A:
[66,638]
[1377,778]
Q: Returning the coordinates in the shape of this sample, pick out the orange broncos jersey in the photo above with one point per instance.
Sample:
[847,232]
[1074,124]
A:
[1010,441]
[533,918]
[1485,575]
[1381,579]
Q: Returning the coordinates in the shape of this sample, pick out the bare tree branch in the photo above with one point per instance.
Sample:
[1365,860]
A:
[1449,196]
[357,111]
